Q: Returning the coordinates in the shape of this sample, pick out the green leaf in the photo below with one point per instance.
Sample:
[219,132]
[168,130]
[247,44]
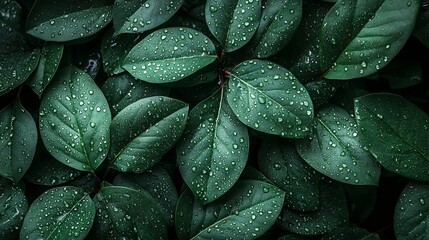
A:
[268,98]
[421,30]
[48,64]
[62,212]
[279,21]
[402,73]
[412,212]
[347,233]
[13,207]
[376,43]
[332,213]
[321,91]
[144,131]
[126,213]
[280,162]
[245,212]
[18,140]
[396,132]
[75,120]
[208,74]
[170,54]
[10,13]
[233,22]
[214,149]
[335,149]
[362,200]
[51,20]
[136,16]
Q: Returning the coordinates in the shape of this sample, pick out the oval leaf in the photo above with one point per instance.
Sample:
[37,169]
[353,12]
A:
[214,149]
[75,120]
[170,54]
[18,140]
[396,132]
[144,131]
[268,98]
[59,212]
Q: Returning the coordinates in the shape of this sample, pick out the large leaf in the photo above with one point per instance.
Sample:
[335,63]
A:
[75,120]
[132,16]
[51,20]
[412,213]
[233,22]
[144,131]
[245,212]
[169,54]
[372,41]
[124,213]
[335,149]
[58,213]
[396,132]
[18,140]
[268,98]
[214,149]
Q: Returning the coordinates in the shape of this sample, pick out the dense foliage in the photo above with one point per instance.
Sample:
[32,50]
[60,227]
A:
[214,119]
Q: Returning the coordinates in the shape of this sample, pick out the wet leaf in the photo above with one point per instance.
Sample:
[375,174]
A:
[144,131]
[347,233]
[74,120]
[136,16]
[245,212]
[170,54]
[396,132]
[233,22]
[268,98]
[18,140]
[335,149]
[10,13]
[214,149]
[62,212]
[51,20]
[412,212]
[126,213]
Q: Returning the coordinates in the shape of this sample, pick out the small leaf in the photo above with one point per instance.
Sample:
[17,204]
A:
[75,120]
[214,149]
[10,13]
[396,132]
[347,233]
[18,140]
[233,22]
[59,212]
[268,98]
[170,54]
[126,213]
[144,131]
[412,213]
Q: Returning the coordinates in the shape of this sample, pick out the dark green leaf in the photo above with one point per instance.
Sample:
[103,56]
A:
[321,91]
[75,120]
[208,74]
[396,132]
[169,54]
[351,233]
[268,98]
[136,16]
[233,22]
[144,131]
[18,140]
[245,212]
[124,213]
[59,213]
[362,201]
[10,13]
[214,149]
[402,73]
[421,30]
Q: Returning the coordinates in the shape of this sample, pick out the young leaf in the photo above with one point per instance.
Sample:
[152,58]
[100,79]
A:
[347,233]
[18,140]
[136,16]
[170,54]
[335,150]
[233,22]
[245,212]
[396,132]
[214,149]
[412,212]
[13,207]
[57,213]
[144,131]
[268,98]
[51,20]
[124,213]
[75,120]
